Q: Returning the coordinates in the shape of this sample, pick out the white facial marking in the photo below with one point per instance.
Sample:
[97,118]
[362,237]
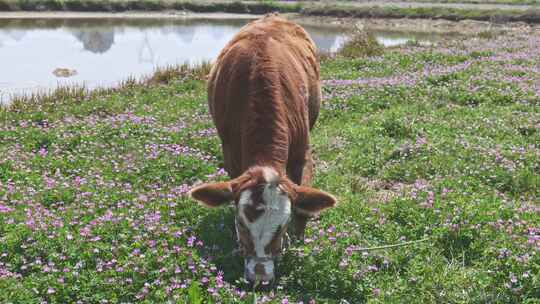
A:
[270,175]
[277,213]
[245,200]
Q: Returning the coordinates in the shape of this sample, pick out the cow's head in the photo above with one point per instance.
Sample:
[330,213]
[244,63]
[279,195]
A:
[264,202]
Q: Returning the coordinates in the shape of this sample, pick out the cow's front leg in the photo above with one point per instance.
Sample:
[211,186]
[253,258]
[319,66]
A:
[295,172]
[300,223]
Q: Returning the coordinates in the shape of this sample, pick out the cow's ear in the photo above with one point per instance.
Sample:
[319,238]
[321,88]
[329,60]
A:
[310,201]
[213,195]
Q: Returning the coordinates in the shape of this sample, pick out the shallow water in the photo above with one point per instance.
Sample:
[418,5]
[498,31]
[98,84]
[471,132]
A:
[104,51]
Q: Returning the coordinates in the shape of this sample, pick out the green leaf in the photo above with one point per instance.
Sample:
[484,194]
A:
[253,299]
[194,294]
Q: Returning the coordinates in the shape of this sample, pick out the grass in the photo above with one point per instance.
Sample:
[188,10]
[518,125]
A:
[418,142]
[102,23]
[262,7]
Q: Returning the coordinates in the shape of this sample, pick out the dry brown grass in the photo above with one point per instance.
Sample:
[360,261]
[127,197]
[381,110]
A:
[79,94]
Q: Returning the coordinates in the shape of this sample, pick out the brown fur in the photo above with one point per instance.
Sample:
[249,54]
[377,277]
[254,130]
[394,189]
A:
[259,269]
[215,195]
[253,212]
[264,96]
[245,240]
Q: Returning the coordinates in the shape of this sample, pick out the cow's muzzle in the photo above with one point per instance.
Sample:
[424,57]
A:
[259,269]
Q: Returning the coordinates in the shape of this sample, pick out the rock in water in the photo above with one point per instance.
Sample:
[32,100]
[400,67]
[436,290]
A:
[63,72]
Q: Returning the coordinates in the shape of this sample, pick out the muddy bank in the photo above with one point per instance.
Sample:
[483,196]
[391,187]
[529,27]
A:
[344,23]
[464,27]
[440,13]
[478,5]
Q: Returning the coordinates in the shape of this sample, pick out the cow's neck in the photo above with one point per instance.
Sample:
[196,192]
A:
[271,153]
[265,133]
[266,140]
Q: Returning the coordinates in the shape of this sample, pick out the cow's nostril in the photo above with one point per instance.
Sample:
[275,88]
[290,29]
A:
[259,270]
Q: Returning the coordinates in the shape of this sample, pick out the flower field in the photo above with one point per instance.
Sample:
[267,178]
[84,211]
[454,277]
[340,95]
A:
[435,143]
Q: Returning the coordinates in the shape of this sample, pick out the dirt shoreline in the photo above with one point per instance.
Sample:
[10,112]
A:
[391,24]
[413,4]
[464,27]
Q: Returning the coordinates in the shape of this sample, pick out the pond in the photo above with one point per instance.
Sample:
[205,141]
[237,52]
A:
[37,55]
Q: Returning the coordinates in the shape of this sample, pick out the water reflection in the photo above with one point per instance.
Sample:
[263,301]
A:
[95,41]
[12,35]
[16,35]
[104,51]
[324,42]
[184,33]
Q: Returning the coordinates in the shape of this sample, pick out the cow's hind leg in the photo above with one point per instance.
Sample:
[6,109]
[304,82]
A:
[307,173]
[314,103]
[229,161]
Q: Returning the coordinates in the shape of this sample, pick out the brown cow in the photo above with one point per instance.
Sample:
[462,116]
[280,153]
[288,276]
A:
[264,97]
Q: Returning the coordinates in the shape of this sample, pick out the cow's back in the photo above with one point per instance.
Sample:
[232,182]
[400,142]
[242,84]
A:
[269,59]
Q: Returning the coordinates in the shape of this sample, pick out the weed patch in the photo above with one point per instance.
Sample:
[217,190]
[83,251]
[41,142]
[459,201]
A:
[361,44]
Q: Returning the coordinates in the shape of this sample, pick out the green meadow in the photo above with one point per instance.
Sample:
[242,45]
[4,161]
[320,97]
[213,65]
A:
[433,148]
